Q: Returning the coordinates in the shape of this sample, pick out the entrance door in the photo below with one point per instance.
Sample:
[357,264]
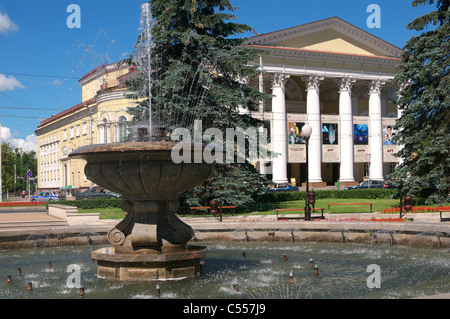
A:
[336,169]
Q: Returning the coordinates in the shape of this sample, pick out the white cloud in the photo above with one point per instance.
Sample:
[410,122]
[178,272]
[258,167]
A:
[56,82]
[6,25]
[27,145]
[9,83]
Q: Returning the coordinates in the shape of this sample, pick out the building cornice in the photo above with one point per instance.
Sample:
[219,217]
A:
[110,95]
[325,55]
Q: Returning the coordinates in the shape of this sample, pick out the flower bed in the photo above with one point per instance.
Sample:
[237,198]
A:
[417,209]
[21,204]
[374,219]
[350,219]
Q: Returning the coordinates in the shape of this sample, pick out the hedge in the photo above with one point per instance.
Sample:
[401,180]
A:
[375,193]
[91,203]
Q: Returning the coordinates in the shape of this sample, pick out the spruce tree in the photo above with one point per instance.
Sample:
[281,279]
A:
[198,71]
[424,100]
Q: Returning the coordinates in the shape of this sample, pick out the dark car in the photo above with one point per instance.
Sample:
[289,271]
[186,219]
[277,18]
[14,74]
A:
[371,184]
[281,188]
[96,192]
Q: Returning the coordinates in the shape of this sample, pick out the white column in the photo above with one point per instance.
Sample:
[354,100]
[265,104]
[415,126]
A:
[262,157]
[375,131]
[346,129]
[315,141]
[279,129]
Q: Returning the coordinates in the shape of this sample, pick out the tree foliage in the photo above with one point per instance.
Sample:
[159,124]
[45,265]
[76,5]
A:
[197,72]
[424,100]
[23,161]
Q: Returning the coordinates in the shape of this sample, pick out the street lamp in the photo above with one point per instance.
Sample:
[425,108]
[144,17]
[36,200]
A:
[306,131]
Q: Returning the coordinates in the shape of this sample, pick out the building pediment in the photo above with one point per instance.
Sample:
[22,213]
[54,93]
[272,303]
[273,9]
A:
[332,35]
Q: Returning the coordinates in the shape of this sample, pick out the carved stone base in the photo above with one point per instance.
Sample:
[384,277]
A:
[150,226]
[143,266]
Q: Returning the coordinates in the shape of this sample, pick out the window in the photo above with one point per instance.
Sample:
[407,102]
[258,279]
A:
[366,169]
[77,130]
[65,152]
[65,135]
[84,128]
[123,129]
[71,132]
[104,132]
[392,167]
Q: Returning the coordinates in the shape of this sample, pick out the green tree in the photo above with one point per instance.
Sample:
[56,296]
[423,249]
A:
[15,161]
[423,129]
[8,161]
[197,68]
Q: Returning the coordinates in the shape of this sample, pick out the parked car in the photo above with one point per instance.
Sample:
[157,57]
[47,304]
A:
[96,192]
[48,196]
[371,184]
[281,188]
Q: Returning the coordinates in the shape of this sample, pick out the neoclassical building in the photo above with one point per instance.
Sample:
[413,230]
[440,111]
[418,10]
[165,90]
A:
[328,73]
[101,117]
[339,79]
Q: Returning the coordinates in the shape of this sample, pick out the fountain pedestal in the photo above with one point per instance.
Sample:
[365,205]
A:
[141,266]
[150,243]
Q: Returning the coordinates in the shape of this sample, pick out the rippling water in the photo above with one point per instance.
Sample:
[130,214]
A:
[405,272]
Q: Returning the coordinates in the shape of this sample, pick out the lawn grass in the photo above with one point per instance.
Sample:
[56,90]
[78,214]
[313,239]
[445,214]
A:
[378,205]
[270,208]
[105,213]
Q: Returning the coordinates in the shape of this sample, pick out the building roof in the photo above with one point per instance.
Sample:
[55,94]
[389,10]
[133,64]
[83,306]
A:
[309,37]
[66,112]
[98,71]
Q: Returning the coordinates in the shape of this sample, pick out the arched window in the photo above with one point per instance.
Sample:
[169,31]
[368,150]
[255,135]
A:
[123,133]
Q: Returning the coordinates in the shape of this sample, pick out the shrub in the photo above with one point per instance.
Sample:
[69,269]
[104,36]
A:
[92,203]
[375,193]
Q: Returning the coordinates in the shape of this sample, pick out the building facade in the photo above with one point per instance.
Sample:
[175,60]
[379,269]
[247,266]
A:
[101,117]
[340,80]
[328,73]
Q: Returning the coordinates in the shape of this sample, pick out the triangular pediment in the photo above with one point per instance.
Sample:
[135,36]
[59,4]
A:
[332,35]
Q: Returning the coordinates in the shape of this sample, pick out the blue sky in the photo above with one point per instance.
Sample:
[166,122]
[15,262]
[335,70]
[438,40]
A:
[41,58]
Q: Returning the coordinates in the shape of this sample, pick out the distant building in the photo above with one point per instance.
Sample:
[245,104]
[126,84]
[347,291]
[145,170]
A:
[100,118]
[339,78]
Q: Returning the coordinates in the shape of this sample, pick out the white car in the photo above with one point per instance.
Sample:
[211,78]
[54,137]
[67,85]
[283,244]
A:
[47,197]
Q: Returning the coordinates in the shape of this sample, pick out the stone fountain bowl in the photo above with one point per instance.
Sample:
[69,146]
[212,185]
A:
[151,242]
[143,170]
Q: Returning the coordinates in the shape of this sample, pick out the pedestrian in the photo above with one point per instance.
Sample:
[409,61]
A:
[23,193]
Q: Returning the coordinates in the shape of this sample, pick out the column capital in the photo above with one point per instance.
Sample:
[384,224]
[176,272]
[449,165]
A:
[375,86]
[280,80]
[312,81]
[345,84]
